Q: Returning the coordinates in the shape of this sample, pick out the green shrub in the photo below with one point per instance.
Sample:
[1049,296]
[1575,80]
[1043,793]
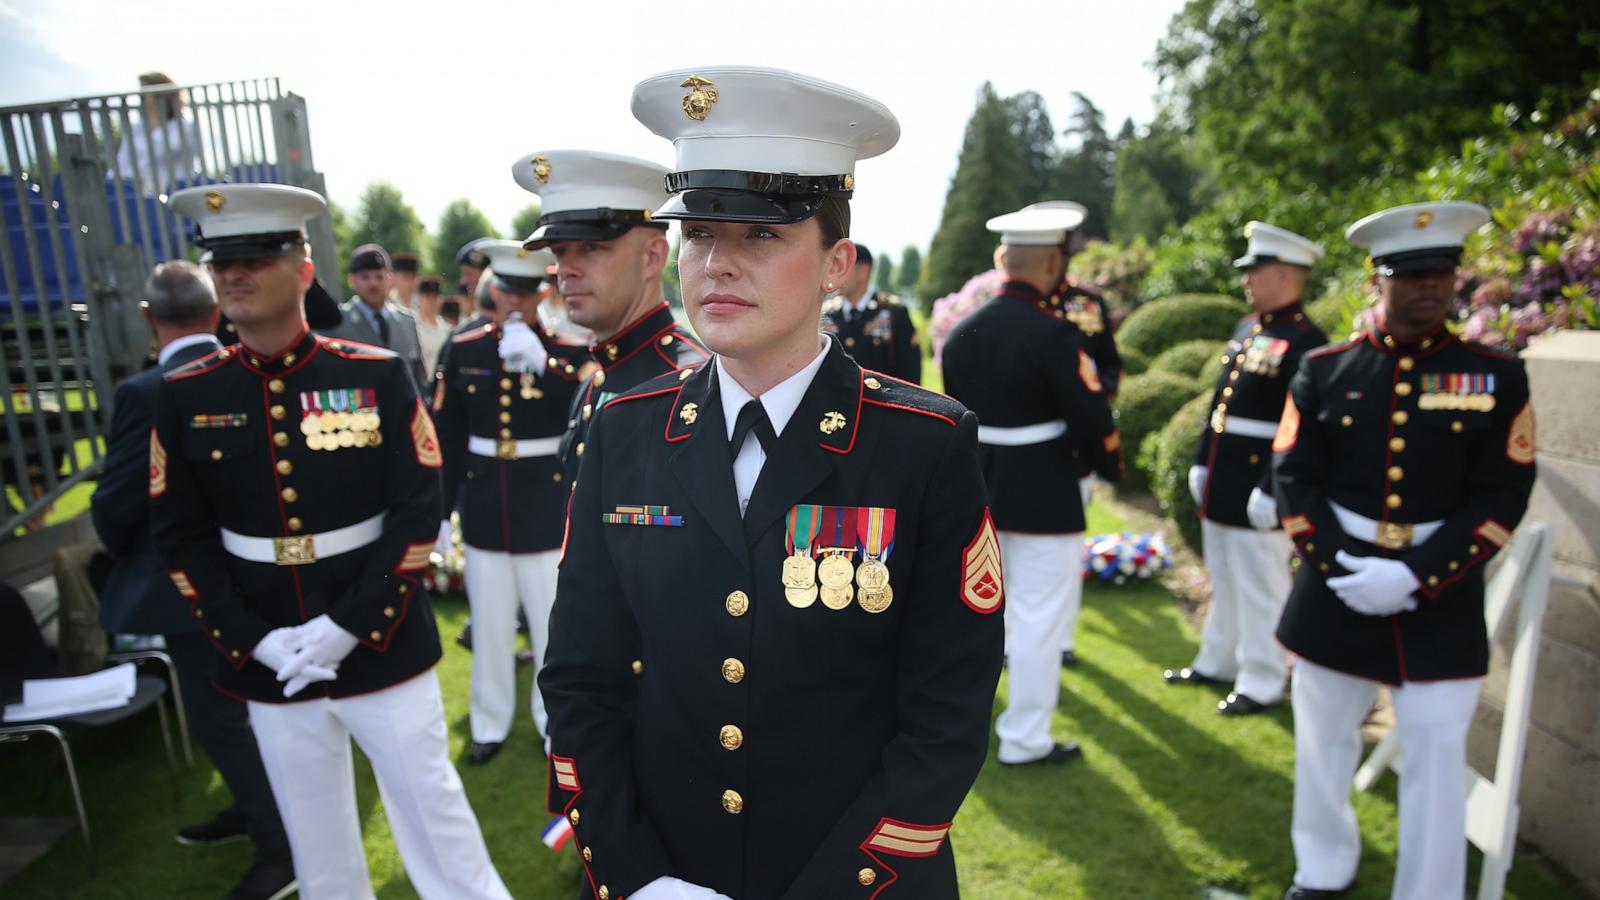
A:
[1144,404]
[1189,358]
[1133,362]
[1166,456]
[1117,270]
[1160,324]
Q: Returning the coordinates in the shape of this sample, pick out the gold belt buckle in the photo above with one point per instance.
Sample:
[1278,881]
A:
[1393,536]
[294,551]
[505,449]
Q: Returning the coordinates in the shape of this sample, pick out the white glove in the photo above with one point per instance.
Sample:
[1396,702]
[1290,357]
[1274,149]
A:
[283,649]
[446,541]
[521,348]
[1376,586]
[278,646]
[1261,510]
[324,646]
[668,888]
[1197,481]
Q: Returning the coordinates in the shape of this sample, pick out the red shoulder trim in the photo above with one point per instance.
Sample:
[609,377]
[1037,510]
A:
[911,409]
[473,335]
[1490,352]
[211,362]
[1331,349]
[348,349]
[626,397]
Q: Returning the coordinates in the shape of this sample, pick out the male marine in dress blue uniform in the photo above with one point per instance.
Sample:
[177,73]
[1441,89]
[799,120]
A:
[1404,458]
[1246,553]
[294,491]
[875,327]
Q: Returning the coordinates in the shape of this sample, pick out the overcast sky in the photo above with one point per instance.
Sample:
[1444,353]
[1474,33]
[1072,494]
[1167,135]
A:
[440,98]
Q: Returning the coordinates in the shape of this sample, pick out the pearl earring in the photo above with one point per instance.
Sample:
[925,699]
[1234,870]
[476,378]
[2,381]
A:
[830,285]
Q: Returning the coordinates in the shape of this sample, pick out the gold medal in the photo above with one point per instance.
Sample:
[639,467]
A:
[346,439]
[311,425]
[334,421]
[800,573]
[314,441]
[834,571]
[360,438]
[375,439]
[876,601]
[872,575]
[837,598]
[800,598]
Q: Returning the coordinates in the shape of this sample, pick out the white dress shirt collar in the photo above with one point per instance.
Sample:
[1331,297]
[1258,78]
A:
[780,401]
[188,340]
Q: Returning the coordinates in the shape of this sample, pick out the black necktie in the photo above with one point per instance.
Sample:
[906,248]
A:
[383,327]
[752,417]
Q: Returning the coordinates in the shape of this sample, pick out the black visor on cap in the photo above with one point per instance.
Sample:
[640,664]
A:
[587,225]
[522,284]
[248,246]
[1429,259]
[738,206]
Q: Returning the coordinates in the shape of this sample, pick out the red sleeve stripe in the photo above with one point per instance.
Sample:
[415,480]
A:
[904,839]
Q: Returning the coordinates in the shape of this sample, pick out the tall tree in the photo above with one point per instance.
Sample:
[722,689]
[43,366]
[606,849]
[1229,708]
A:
[1317,94]
[910,269]
[1157,184]
[383,217]
[883,273]
[331,272]
[460,222]
[1085,170]
[525,221]
[1002,159]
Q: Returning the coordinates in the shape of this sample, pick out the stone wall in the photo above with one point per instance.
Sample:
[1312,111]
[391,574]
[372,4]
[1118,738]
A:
[1561,774]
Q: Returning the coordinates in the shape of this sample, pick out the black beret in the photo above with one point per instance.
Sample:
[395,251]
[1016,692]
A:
[369,256]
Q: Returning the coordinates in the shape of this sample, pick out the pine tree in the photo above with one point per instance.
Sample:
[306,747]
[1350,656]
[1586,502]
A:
[384,218]
[992,173]
[459,223]
[910,270]
[883,273]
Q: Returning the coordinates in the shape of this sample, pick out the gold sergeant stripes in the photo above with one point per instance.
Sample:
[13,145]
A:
[180,580]
[566,773]
[1493,532]
[416,557]
[1296,525]
[904,839]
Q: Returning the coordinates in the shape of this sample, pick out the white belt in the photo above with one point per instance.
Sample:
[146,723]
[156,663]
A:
[1388,535]
[1254,428]
[303,548]
[483,446]
[1021,435]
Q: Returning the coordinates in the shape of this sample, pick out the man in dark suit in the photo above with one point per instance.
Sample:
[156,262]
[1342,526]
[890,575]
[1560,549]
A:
[370,318]
[138,598]
[875,327]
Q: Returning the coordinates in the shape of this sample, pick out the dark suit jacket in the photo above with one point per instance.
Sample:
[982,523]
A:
[355,326]
[138,597]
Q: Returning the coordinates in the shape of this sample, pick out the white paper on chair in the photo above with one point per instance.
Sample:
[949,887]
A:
[52,698]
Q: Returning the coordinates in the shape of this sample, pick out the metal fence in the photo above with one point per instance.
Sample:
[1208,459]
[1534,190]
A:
[82,190]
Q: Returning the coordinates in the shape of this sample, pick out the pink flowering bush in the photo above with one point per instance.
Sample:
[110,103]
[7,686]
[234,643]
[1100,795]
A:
[952,308]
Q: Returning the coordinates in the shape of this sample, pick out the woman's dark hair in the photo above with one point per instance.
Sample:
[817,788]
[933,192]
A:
[833,219]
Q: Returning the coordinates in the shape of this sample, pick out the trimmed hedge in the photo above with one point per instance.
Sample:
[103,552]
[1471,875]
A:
[1165,459]
[1190,358]
[1161,324]
[1133,362]
[1144,404]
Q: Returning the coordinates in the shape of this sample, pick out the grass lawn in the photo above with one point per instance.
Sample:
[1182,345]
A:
[1171,800]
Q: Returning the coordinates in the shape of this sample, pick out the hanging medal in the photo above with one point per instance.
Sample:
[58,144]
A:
[799,570]
[838,542]
[875,531]
[529,392]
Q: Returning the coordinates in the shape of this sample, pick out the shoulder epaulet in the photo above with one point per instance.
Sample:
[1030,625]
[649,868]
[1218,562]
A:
[889,299]
[832,305]
[348,349]
[211,362]
[1330,349]
[401,310]
[668,383]
[892,393]
[473,335]
[1485,350]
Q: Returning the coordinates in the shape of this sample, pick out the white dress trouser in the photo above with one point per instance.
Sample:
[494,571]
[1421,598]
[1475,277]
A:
[496,583]
[1044,587]
[1432,718]
[1250,582]
[305,748]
